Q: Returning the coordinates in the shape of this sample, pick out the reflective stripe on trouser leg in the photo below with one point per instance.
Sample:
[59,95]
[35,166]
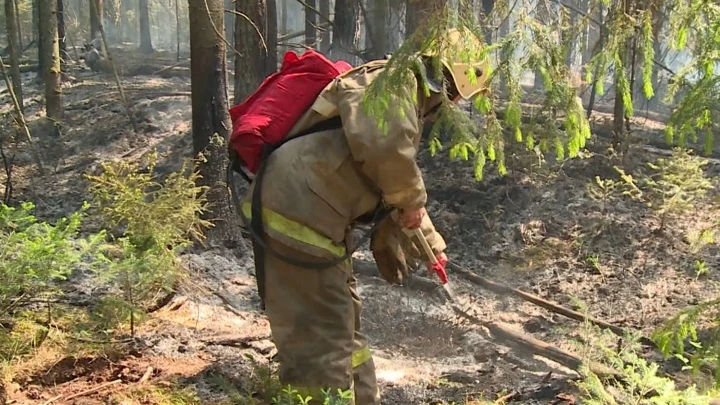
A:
[364,380]
[359,357]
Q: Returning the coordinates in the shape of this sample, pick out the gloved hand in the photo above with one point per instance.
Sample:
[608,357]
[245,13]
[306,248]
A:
[394,252]
[440,257]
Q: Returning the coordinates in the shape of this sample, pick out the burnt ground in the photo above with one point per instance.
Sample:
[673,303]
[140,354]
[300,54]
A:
[535,229]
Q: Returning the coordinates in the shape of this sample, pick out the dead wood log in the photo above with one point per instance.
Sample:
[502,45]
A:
[550,306]
[540,348]
[86,392]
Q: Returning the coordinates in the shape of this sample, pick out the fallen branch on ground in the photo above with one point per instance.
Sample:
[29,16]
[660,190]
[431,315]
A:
[146,376]
[506,398]
[86,392]
[539,347]
[228,304]
[550,306]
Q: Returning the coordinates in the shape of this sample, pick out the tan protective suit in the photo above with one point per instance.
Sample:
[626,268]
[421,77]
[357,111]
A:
[314,190]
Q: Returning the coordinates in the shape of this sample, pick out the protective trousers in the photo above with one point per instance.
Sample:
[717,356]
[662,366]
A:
[315,322]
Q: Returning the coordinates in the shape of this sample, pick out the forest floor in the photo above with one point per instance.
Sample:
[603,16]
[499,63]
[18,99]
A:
[535,229]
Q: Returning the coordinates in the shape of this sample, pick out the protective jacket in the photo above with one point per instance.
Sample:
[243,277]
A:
[316,187]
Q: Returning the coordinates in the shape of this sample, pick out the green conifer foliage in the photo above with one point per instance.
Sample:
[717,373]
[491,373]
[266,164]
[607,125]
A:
[560,126]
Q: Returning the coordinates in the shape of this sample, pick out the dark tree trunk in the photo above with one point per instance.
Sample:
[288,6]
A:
[145,39]
[96,11]
[658,88]
[378,28]
[51,50]
[347,38]
[310,24]
[64,57]
[253,66]
[18,25]
[543,17]
[420,12]
[210,116]
[487,9]
[13,49]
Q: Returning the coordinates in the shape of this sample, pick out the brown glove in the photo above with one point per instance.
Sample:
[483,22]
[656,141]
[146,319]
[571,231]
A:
[394,252]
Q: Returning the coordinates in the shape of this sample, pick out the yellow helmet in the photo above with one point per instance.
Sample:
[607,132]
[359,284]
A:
[461,69]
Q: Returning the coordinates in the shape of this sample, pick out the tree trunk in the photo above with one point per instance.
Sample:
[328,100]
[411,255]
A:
[50,48]
[18,25]
[253,66]
[619,111]
[602,37]
[421,12]
[145,39]
[592,33]
[378,28]
[310,23]
[96,11]
[271,37]
[543,17]
[325,37]
[395,24]
[504,31]
[658,88]
[210,116]
[13,49]
[347,38]
[574,36]
[64,56]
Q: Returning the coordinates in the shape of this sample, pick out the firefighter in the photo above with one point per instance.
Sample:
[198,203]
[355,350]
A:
[315,190]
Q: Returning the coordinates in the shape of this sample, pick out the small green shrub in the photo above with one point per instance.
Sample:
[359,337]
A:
[639,382]
[34,254]
[156,221]
[673,186]
[262,386]
[34,257]
[681,331]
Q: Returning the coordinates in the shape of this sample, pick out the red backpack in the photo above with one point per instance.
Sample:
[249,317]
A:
[268,114]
